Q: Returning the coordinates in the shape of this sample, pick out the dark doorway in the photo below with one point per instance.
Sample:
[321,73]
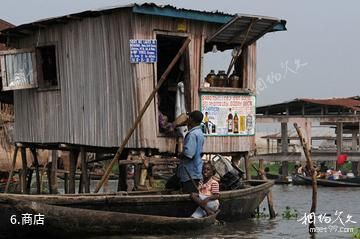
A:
[168,47]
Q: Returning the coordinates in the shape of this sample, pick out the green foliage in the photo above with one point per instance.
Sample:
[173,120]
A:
[289,213]
[356,233]
[262,214]
[273,167]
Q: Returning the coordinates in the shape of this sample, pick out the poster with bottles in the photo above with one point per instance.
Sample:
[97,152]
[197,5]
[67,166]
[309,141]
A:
[228,115]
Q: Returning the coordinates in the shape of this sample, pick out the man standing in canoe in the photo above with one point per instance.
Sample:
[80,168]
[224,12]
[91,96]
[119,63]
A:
[190,167]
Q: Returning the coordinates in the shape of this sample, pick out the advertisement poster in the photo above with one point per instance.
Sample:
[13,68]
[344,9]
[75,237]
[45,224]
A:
[226,115]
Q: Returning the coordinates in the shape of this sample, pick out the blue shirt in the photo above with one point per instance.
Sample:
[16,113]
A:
[193,147]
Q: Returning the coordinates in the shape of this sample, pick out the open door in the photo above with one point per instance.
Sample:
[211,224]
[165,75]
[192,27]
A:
[168,46]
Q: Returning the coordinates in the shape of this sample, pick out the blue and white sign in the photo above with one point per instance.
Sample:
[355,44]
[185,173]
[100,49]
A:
[143,51]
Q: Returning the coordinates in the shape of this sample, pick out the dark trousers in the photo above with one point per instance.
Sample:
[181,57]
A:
[189,187]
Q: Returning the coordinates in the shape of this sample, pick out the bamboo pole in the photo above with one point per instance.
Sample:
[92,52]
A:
[269,195]
[313,175]
[142,111]
[12,169]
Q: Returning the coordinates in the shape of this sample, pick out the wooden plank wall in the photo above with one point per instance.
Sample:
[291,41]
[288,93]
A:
[101,92]
[96,103]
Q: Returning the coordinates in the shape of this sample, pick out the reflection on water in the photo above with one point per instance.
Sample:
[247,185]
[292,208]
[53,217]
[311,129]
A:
[296,197]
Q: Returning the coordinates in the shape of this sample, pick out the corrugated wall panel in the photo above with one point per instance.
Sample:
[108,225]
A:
[96,102]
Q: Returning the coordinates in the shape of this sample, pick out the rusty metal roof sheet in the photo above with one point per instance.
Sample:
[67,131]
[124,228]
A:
[342,102]
[294,106]
[4,25]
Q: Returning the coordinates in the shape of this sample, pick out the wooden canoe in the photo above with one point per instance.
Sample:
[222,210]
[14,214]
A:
[234,204]
[323,182]
[60,220]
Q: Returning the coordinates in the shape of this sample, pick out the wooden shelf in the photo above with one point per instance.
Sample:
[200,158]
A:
[225,90]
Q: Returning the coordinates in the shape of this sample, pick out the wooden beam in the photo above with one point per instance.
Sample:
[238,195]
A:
[12,169]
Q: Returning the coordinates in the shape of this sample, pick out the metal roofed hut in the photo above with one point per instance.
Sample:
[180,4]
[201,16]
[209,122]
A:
[80,80]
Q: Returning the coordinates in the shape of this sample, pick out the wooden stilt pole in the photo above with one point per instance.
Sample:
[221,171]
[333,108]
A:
[272,213]
[24,170]
[12,169]
[142,111]
[66,183]
[247,167]
[29,178]
[48,174]
[54,187]
[36,164]
[73,161]
[84,174]
[313,176]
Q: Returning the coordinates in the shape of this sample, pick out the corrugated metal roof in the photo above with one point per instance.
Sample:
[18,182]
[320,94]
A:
[149,9]
[4,25]
[343,102]
[350,103]
[246,29]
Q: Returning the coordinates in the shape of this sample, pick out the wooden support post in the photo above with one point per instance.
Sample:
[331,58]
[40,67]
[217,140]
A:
[313,176]
[262,175]
[66,183]
[261,165]
[339,139]
[29,178]
[81,183]
[267,146]
[73,161]
[284,148]
[36,164]
[247,167]
[354,168]
[84,173]
[23,171]
[48,174]
[12,169]
[141,113]
[54,158]
[354,141]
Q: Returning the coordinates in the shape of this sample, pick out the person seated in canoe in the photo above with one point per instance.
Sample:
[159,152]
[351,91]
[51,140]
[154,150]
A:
[208,197]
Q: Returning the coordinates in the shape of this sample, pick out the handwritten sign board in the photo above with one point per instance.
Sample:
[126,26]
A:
[228,115]
[143,51]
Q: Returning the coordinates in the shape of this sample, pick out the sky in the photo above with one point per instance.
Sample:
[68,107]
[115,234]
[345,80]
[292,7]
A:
[317,57]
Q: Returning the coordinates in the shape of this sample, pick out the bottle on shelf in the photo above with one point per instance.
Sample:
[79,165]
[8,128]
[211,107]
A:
[230,122]
[236,124]
[242,123]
